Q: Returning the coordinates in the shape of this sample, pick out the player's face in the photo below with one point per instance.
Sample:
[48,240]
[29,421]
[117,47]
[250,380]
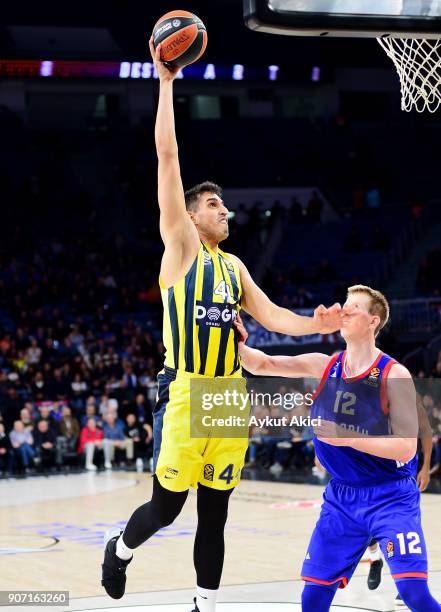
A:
[357,323]
[211,217]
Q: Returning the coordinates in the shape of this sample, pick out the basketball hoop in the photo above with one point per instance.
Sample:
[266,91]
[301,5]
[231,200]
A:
[418,63]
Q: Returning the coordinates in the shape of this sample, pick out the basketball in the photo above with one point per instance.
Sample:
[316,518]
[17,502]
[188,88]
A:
[183,37]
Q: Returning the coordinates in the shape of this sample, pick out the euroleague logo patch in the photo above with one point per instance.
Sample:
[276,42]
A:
[390,549]
[373,378]
[209,472]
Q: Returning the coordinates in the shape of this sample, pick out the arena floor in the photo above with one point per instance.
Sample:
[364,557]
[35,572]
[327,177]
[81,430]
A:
[52,531]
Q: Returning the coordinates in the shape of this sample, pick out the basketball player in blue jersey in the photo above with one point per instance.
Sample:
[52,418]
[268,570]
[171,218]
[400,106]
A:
[203,289]
[372,493]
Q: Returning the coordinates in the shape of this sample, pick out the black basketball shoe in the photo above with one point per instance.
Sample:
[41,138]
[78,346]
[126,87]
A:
[196,609]
[374,577]
[114,570]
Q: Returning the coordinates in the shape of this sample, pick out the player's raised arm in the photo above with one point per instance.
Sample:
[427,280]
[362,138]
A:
[281,320]
[259,363]
[177,230]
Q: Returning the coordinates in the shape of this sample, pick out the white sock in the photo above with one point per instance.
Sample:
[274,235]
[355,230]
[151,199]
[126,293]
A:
[206,599]
[122,551]
[374,555]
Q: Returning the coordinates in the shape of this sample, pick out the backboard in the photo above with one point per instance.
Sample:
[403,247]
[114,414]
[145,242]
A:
[364,18]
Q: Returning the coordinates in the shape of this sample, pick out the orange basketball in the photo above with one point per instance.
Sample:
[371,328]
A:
[183,38]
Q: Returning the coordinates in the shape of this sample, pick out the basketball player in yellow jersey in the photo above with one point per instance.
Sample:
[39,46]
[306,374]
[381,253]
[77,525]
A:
[202,289]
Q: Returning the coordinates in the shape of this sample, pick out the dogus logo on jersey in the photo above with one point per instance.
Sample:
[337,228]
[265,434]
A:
[215,315]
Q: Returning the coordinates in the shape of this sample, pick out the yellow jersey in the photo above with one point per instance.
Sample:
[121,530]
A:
[199,312]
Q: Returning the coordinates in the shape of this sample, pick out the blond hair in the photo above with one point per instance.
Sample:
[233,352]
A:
[379,305]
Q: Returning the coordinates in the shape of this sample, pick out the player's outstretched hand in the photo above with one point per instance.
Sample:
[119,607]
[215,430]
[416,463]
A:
[165,73]
[241,330]
[328,320]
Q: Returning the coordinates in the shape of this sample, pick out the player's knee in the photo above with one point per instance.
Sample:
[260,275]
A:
[416,595]
[166,505]
[317,597]
[213,506]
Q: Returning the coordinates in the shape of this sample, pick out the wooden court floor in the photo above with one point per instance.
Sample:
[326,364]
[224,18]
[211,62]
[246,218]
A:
[51,532]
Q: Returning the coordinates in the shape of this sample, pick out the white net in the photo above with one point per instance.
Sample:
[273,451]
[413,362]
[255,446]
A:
[418,63]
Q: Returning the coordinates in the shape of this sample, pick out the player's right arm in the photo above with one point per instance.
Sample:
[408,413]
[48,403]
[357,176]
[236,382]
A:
[178,232]
[259,363]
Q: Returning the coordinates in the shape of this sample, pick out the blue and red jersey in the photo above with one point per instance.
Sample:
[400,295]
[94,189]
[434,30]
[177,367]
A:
[358,404]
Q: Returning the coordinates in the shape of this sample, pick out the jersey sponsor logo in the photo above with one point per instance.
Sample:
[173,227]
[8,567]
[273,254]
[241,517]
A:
[390,549]
[215,315]
[209,472]
[171,473]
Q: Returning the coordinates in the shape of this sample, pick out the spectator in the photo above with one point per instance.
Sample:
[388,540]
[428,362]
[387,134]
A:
[91,442]
[138,439]
[45,414]
[5,452]
[91,414]
[141,409]
[114,439]
[26,419]
[11,408]
[69,428]
[33,353]
[44,444]
[22,442]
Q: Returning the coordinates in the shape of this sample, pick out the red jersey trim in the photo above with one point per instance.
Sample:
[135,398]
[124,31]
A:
[364,374]
[324,378]
[342,580]
[410,575]
[383,386]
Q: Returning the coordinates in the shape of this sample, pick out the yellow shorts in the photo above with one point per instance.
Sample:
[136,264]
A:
[180,460]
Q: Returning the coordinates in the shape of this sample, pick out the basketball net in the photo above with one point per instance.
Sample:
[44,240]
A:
[418,63]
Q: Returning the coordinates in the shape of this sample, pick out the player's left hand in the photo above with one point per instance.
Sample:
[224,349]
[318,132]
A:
[423,478]
[327,320]
[331,433]
[165,72]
